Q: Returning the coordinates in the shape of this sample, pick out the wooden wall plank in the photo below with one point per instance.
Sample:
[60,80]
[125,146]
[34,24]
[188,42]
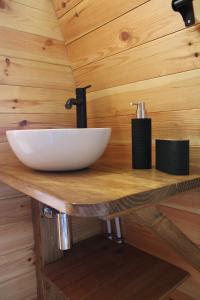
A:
[77,21]
[119,156]
[15,237]
[7,154]
[20,288]
[36,21]
[15,209]
[128,31]
[44,5]
[16,264]
[24,45]
[173,92]
[6,191]
[63,6]
[84,228]
[174,53]
[19,99]
[33,121]
[184,124]
[189,223]
[189,202]
[14,71]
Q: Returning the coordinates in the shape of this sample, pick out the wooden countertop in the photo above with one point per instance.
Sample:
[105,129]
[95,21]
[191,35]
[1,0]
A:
[93,192]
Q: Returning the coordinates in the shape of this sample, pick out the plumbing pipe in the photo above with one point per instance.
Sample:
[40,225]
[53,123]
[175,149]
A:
[118,230]
[63,228]
[109,229]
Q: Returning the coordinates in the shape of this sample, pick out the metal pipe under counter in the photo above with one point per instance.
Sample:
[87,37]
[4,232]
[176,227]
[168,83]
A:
[63,227]
[64,233]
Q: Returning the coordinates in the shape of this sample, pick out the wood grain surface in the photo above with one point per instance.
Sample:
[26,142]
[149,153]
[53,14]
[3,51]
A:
[28,100]
[25,45]
[129,30]
[98,193]
[16,71]
[100,269]
[167,52]
[63,6]
[101,11]
[170,234]
[37,21]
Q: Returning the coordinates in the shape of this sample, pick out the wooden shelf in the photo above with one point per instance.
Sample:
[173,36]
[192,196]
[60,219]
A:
[94,193]
[98,269]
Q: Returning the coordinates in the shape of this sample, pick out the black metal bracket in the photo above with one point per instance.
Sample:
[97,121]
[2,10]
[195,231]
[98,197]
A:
[186,9]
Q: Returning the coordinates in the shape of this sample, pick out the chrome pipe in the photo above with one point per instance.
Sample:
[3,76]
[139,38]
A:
[64,234]
[118,230]
[109,229]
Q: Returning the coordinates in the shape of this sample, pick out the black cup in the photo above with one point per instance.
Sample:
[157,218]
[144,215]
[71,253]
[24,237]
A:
[173,156]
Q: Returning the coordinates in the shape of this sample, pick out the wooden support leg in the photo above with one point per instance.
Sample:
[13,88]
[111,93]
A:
[169,233]
[46,249]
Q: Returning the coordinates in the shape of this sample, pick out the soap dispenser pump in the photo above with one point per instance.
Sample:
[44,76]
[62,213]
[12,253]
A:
[141,138]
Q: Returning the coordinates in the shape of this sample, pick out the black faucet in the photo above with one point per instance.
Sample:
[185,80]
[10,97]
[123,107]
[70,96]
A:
[81,109]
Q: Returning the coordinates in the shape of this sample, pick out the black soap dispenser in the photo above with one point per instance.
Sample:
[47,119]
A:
[141,139]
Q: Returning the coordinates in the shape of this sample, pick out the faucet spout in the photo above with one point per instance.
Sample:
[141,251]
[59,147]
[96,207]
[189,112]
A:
[70,102]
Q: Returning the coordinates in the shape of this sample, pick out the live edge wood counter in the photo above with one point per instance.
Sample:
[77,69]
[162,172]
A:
[95,193]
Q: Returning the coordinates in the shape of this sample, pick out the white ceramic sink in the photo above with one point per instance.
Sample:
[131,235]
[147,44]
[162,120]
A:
[59,149]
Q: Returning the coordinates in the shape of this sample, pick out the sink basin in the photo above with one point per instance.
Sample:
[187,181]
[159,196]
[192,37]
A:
[59,149]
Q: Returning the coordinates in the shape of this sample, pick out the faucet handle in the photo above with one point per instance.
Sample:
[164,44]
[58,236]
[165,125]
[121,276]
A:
[87,87]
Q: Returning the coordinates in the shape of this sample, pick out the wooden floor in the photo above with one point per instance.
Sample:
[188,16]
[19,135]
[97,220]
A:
[101,269]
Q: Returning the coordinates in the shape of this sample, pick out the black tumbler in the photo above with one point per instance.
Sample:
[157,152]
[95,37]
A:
[172,156]
[141,144]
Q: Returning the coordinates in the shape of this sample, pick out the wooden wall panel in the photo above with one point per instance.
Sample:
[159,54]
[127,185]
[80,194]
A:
[77,21]
[188,222]
[14,209]
[171,54]
[33,121]
[171,124]
[83,228]
[24,45]
[22,99]
[123,33]
[119,156]
[6,191]
[16,246]
[15,71]
[16,264]
[63,6]
[37,21]
[15,237]
[168,93]
[20,288]
[43,5]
